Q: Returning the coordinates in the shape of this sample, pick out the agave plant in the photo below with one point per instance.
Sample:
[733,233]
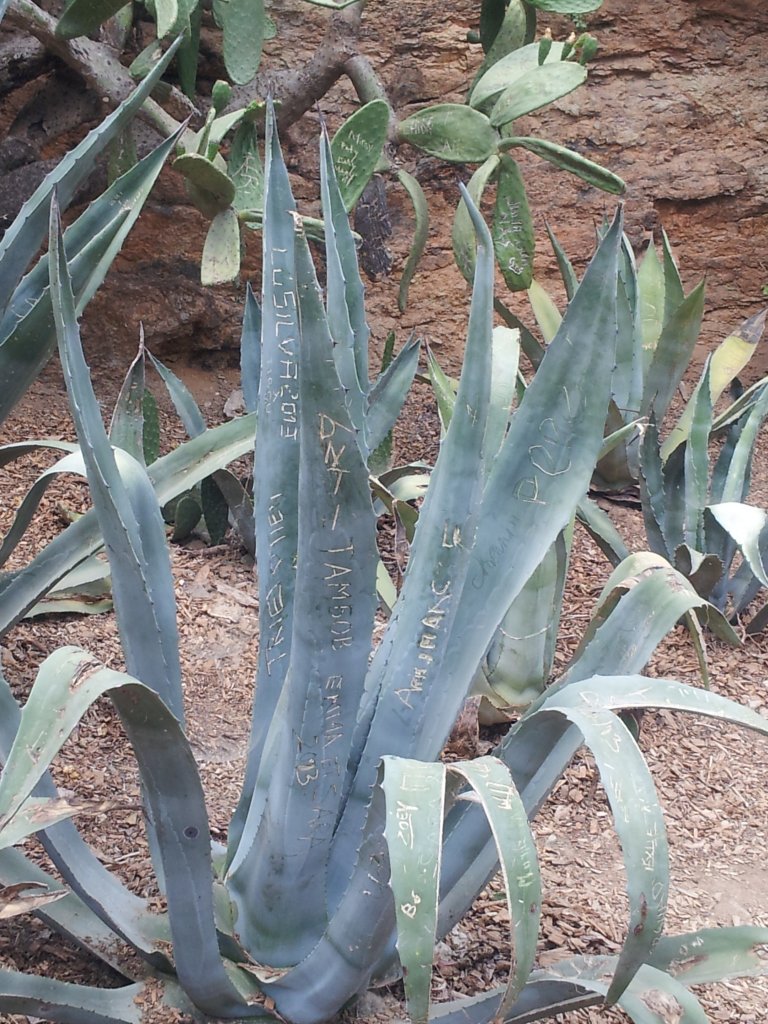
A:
[353,846]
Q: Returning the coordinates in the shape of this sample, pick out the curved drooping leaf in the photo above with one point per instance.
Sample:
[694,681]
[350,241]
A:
[568,160]
[415,796]
[70,680]
[389,392]
[420,235]
[126,507]
[170,475]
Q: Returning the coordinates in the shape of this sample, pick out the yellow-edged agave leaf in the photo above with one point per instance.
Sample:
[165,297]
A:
[415,798]
[221,252]
[536,88]
[548,316]
[451,131]
[728,360]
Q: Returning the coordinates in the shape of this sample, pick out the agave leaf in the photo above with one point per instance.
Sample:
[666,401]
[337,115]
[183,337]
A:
[501,803]
[27,333]
[221,251]
[22,239]
[535,88]
[567,160]
[651,482]
[602,530]
[520,657]
[711,954]
[415,795]
[187,56]
[250,350]
[747,525]
[509,69]
[696,463]
[727,361]
[170,475]
[451,131]
[33,995]
[126,429]
[420,235]
[338,314]
[733,482]
[396,705]
[652,308]
[70,680]
[333,623]
[445,391]
[276,469]
[346,250]
[37,813]
[568,274]
[639,824]
[505,358]
[356,148]
[244,24]
[463,235]
[25,898]
[531,346]
[126,507]
[512,231]
[540,999]
[641,603]
[111,908]
[547,314]
[70,463]
[653,996]
[672,354]
[389,392]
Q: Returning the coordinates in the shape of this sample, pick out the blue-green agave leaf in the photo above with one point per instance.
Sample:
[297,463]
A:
[126,507]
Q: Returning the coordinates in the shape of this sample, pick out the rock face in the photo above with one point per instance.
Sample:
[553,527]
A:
[676,103]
